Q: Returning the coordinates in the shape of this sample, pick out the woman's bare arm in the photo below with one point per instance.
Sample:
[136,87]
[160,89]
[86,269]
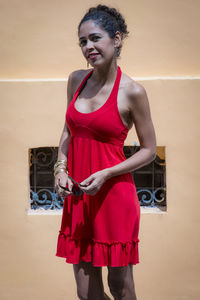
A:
[65,135]
[140,111]
[62,177]
[64,143]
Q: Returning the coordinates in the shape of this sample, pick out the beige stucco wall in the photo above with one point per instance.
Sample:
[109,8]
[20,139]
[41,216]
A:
[38,40]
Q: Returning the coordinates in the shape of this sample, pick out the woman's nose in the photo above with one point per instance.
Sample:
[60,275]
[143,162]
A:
[89,44]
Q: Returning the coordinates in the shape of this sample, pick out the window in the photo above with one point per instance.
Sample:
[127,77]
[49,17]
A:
[150,180]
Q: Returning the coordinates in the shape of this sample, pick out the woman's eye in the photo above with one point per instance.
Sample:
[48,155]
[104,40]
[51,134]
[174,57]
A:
[82,43]
[95,38]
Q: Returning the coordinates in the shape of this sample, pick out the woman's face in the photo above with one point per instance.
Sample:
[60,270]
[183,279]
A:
[96,45]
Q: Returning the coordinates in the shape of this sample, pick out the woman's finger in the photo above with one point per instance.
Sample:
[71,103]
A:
[91,189]
[70,184]
[87,181]
[65,187]
[63,193]
[60,189]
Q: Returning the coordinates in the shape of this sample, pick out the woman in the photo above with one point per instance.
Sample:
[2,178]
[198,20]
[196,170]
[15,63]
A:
[101,212]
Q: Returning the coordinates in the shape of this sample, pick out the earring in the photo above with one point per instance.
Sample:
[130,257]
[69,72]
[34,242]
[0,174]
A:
[117,51]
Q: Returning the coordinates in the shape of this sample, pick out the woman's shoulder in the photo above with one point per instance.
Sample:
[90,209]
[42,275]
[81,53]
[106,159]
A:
[131,87]
[135,94]
[76,77]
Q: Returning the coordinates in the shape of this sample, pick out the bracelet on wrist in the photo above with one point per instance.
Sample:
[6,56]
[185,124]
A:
[60,162]
[60,170]
[60,167]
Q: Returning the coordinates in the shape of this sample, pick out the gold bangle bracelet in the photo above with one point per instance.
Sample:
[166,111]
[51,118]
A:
[60,167]
[59,162]
[60,170]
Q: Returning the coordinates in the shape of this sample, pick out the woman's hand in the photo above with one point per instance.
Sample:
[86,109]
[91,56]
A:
[62,179]
[94,182]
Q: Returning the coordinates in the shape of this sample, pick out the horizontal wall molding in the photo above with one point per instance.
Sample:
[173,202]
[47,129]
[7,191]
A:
[134,78]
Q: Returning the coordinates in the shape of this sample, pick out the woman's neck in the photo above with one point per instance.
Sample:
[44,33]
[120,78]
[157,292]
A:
[105,74]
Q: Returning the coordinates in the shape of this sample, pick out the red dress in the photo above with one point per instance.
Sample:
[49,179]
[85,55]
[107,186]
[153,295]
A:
[101,228]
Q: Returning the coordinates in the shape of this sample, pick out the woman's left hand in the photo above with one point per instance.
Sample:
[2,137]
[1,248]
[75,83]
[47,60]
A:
[94,182]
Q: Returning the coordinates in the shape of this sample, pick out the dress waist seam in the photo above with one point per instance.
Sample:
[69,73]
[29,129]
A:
[120,145]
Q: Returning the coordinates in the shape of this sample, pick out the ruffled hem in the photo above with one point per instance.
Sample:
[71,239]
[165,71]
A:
[114,254]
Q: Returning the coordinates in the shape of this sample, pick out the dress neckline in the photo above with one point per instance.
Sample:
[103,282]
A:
[82,85]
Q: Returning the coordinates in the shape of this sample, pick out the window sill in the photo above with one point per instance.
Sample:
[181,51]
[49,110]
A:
[143,209]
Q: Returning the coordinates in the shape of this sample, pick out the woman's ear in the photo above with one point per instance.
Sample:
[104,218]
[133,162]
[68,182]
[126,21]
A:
[117,39]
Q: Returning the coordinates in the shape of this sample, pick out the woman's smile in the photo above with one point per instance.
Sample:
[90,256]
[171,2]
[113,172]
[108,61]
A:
[93,56]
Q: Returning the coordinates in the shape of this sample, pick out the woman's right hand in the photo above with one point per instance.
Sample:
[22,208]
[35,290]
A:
[62,179]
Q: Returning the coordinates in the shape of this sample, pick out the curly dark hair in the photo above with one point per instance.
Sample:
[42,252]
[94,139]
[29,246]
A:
[109,19]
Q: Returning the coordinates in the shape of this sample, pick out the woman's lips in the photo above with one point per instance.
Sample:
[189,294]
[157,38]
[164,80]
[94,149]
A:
[92,56]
